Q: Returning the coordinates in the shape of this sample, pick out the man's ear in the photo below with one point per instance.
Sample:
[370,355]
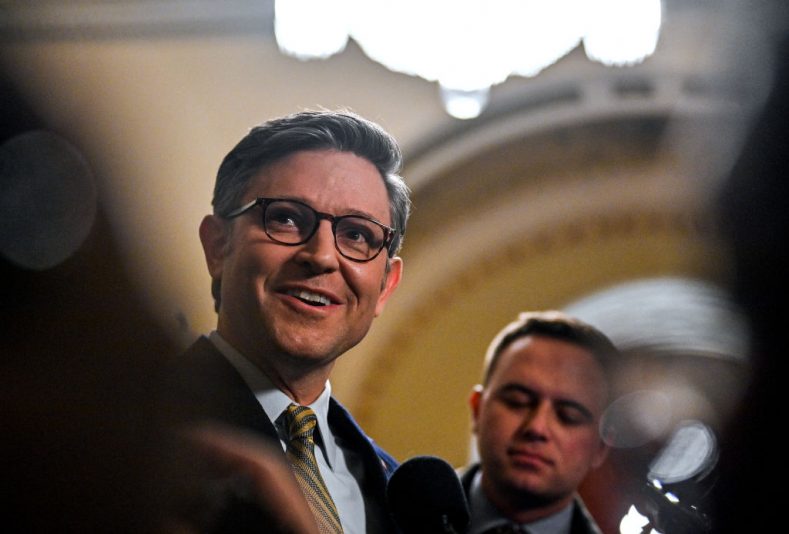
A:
[214,235]
[474,402]
[390,283]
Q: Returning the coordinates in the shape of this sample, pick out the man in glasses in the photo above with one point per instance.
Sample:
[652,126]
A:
[536,418]
[309,214]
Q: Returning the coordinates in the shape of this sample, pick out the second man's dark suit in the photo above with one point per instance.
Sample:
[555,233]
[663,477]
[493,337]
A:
[207,387]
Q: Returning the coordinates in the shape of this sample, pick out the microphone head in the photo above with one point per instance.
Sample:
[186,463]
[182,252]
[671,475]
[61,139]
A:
[425,496]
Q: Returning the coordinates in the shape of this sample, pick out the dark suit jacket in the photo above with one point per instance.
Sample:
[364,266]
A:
[581,523]
[207,387]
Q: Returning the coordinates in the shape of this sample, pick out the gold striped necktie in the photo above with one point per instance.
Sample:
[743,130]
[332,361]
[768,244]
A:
[301,423]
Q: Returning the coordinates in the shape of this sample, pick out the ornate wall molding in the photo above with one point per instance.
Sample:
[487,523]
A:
[25,20]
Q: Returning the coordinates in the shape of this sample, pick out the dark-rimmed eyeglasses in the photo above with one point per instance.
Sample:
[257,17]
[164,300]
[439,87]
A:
[291,222]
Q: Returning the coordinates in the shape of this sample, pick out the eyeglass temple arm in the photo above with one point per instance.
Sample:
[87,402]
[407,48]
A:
[238,211]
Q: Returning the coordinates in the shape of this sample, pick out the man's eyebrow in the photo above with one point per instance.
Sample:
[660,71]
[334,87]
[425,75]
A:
[356,212]
[518,388]
[360,213]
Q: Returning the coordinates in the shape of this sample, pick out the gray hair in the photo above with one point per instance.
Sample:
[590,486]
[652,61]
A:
[315,130]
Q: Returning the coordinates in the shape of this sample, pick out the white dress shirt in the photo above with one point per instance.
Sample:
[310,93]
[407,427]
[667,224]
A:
[337,464]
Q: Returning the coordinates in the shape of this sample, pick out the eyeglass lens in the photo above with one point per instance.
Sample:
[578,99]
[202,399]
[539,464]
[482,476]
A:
[294,223]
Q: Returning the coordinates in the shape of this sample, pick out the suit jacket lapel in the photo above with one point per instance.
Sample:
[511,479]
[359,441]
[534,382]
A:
[210,386]
[213,389]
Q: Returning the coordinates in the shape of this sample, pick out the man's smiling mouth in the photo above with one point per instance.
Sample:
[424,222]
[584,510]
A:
[313,299]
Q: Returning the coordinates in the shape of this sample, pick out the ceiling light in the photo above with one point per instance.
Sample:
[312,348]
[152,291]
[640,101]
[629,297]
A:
[467,46]
[310,29]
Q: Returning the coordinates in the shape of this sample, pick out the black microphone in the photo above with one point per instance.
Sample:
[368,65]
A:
[425,497]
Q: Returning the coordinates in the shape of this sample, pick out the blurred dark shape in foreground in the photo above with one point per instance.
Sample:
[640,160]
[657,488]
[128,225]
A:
[80,352]
[754,215]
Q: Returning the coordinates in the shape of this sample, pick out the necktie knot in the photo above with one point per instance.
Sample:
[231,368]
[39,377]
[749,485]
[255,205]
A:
[301,422]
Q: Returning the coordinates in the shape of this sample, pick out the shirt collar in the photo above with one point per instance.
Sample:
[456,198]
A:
[484,514]
[274,401]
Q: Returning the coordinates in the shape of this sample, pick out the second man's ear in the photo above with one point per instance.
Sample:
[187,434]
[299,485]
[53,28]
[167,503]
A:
[474,400]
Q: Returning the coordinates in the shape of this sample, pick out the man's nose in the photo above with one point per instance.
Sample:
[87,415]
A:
[536,424]
[319,252]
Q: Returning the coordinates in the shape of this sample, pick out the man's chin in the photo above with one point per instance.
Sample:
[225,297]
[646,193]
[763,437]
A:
[310,353]
[307,360]
[313,346]
[533,489]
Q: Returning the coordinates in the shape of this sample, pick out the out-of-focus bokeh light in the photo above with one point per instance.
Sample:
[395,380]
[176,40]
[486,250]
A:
[464,104]
[636,418]
[691,450]
[310,29]
[634,523]
[668,316]
[622,32]
[48,198]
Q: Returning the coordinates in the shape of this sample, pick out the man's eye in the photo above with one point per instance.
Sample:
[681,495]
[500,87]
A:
[282,217]
[573,416]
[359,234]
[516,400]
[356,235]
